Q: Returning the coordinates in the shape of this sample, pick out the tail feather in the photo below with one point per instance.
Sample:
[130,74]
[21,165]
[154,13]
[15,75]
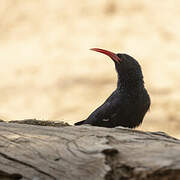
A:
[79,123]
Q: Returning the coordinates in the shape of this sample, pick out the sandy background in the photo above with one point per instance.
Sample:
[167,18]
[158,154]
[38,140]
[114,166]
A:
[47,71]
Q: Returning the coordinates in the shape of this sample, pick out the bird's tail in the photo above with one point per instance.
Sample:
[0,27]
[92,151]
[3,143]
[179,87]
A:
[79,123]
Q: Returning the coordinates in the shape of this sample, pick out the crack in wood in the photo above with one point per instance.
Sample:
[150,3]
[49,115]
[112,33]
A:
[110,160]
[26,164]
[7,176]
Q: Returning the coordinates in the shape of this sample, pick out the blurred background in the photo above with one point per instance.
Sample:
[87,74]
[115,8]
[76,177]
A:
[48,72]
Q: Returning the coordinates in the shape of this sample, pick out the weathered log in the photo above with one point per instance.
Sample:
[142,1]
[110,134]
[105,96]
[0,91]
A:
[86,153]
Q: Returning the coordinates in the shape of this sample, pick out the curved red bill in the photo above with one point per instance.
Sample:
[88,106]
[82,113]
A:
[112,55]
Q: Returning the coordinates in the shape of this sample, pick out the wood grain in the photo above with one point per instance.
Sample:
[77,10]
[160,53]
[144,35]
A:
[86,153]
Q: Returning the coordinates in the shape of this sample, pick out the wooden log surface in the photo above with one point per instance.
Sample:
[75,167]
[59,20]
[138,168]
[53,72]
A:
[86,153]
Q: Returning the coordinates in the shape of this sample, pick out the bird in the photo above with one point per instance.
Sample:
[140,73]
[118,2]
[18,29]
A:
[130,101]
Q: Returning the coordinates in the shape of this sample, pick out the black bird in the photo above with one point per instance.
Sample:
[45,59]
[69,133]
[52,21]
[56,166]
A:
[128,104]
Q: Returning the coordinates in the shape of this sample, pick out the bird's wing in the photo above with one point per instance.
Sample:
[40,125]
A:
[103,114]
[107,111]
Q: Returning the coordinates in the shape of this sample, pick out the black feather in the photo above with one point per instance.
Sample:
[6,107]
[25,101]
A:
[128,104]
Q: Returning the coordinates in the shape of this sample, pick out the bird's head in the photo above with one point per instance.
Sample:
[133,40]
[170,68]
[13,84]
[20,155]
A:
[128,69]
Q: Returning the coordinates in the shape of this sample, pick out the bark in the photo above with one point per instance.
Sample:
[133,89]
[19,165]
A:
[86,153]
